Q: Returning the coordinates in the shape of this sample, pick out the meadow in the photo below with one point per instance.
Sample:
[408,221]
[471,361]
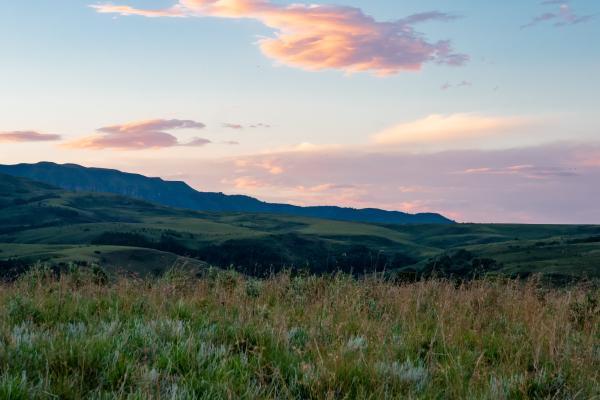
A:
[84,334]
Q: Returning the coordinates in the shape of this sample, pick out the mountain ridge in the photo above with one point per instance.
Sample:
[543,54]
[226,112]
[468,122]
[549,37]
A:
[179,194]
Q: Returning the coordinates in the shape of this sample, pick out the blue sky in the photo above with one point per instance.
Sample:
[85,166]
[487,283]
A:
[70,70]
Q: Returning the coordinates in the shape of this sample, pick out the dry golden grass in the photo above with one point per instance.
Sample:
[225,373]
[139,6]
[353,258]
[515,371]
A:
[223,336]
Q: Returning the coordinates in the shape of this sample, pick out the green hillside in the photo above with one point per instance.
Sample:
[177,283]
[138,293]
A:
[42,223]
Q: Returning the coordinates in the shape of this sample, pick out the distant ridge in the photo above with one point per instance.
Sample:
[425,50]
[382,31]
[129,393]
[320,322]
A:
[179,194]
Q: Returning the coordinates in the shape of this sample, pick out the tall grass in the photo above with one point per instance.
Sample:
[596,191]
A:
[223,336]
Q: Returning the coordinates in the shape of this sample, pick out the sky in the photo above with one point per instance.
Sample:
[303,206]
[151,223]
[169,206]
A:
[481,111]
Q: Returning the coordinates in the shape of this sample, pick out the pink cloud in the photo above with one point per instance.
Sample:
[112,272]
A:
[27,136]
[175,11]
[140,135]
[153,125]
[318,37]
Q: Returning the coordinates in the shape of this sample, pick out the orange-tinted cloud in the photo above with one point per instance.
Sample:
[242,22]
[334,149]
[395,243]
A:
[141,135]
[317,37]
[27,136]
[269,165]
[591,162]
[246,183]
[436,129]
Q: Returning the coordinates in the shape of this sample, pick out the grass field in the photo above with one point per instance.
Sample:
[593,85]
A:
[333,337]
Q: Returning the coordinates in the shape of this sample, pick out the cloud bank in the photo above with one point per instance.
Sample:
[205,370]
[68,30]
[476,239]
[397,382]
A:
[141,135]
[551,183]
[27,136]
[317,37]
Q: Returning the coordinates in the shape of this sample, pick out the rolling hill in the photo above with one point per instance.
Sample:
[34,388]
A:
[35,214]
[180,195]
[39,222]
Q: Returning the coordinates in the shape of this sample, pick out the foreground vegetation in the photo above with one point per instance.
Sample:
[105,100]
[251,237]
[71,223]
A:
[225,336]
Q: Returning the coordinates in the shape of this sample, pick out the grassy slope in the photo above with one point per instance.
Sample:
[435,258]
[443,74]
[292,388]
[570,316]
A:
[114,259]
[36,214]
[223,337]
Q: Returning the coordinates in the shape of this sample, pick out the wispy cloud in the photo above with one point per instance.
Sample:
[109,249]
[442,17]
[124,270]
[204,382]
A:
[565,15]
[526,171]
[240,126]
[141,135]
[27,136]
[318,37]
[196,142]
[233,126]
[460,84]
[260,125]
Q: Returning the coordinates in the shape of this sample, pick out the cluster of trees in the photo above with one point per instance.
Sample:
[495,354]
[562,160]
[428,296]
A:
[266,255]
[459,264]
